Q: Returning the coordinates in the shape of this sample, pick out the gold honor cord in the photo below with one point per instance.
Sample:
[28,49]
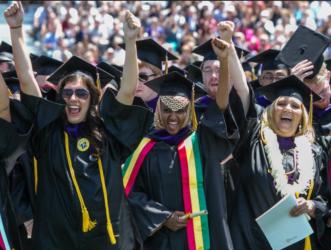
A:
[87,223]
[310,191]
[35,171]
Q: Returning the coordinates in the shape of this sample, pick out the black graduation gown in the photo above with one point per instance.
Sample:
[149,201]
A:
[256,192]
[13,137]
[58,217]
[157,191]
[322,126]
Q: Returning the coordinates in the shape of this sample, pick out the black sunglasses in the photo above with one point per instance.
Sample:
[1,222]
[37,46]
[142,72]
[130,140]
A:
[79,93]
[144,77]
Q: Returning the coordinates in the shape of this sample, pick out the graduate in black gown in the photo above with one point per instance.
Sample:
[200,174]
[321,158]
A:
[307,46]
[80,203]
[15,128]
[210,71]
[155,177]
[278,156]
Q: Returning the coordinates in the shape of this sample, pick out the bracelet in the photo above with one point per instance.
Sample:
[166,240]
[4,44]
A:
[16,27]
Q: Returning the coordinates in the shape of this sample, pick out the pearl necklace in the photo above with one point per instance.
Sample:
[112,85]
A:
[305,163]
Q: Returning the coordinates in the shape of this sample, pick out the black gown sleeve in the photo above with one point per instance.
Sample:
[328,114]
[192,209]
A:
[149,214]
[44,113]
[127,123]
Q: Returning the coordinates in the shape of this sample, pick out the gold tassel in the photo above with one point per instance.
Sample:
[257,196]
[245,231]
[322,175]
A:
[105,198]
[310,122]
[111,234]
[98,81]
[194,115]
[35,171]
[307,243]
[88,224]
[10,94]
[166,64]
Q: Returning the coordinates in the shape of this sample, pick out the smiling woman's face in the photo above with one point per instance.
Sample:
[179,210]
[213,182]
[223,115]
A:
[78,99]
[173,121]
[287,115]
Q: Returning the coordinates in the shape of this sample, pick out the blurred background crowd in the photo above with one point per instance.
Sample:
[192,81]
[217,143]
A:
[93,29]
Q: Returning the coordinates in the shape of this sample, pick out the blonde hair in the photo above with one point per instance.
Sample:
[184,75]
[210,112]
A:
[268,120]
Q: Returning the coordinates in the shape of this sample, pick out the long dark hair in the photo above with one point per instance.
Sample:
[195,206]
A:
[94,124]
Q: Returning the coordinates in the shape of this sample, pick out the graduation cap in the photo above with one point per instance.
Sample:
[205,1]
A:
[194,73]
[6,47]
[45,65]
[305,44]
[116,71]
[153,53]
[293,87]
[175,84]
[77,64]
[6,52]
[174,68]
[206,50]
[268,60]
[197,63]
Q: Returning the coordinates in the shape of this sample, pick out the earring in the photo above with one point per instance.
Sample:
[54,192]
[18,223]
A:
[300,128]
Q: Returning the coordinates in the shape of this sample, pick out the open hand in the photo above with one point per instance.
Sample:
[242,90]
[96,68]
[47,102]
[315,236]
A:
[304,207]
[303,69]
[132,26]
[226,30]
[220,48]
[14,14]
[174,222]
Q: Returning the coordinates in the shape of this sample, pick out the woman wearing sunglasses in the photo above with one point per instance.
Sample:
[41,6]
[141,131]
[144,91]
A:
[79,145]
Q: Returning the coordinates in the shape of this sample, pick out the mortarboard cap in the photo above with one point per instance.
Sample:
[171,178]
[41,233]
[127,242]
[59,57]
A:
[77,64]
[289,86]
[115,71]
[45,65]
[174,68]
[197,63]
[267,60]
[6,52]
[194,73]
[305,44]
[153,53]
[6,47]
[206,50]
[172,84]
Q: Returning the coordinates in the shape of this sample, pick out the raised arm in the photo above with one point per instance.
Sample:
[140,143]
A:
[14,18]
[221,49]
[237,74]
[4,101]
[130,70]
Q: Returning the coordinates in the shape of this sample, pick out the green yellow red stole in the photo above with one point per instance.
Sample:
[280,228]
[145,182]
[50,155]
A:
[197,229]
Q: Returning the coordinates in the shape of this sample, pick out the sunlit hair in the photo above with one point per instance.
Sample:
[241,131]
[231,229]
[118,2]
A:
[95,131]
[320,78]
[154,69]
[268,119]
[158,119]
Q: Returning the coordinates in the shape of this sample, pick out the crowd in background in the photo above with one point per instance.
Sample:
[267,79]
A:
[93,29]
